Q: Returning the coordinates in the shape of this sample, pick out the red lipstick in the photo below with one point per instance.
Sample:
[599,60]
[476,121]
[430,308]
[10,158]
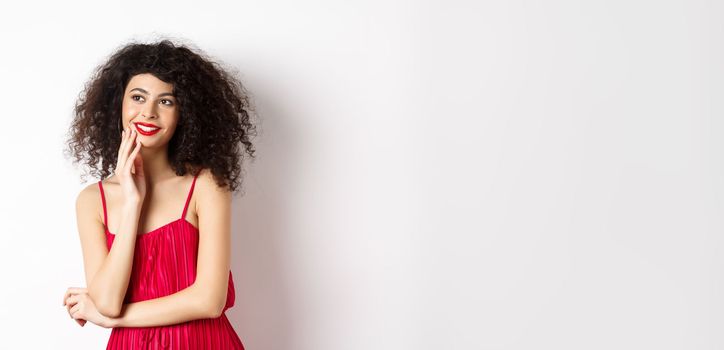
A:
[150,129]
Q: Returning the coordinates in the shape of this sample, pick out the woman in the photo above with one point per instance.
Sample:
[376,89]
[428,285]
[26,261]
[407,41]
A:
[170,127]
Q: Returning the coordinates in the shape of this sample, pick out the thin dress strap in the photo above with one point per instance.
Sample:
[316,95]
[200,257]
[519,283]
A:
[103,199]
[188,199]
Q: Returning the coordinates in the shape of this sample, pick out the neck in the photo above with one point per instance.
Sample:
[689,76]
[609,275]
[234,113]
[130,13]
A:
[156,166]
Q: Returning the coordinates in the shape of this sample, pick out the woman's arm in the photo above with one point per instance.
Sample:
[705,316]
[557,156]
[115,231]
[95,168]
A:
[107,273]
[183,306]
[206,297]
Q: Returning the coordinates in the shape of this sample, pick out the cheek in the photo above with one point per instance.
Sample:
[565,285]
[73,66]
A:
[172,130]
[172,122]
[127,110]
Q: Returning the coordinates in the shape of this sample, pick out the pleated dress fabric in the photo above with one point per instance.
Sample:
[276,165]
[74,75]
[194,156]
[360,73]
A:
[164,263]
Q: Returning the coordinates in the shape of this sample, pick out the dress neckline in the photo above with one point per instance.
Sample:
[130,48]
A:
[182,218]
[159,228]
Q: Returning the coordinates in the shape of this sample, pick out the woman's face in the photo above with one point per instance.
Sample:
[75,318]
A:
[150,108]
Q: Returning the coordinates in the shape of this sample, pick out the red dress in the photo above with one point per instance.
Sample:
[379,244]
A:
[164,262]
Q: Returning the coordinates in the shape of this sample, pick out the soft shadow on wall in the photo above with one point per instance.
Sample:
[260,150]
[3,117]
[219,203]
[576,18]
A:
[262,312]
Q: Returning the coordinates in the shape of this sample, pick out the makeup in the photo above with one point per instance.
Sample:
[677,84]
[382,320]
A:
[146,129]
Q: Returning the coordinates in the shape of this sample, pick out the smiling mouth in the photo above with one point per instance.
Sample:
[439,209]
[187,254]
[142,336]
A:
[146,130]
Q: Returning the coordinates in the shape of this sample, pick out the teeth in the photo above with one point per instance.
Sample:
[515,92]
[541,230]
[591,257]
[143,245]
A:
[145,128]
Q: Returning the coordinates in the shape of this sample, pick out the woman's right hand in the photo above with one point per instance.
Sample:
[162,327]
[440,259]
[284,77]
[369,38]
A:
[129,168]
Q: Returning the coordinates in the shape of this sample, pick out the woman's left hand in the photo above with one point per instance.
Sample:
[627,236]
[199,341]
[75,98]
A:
[80,306]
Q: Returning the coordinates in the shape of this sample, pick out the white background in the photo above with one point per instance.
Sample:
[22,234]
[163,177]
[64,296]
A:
[431,175]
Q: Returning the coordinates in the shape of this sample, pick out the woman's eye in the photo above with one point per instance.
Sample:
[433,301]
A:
[170,103]
[134,97]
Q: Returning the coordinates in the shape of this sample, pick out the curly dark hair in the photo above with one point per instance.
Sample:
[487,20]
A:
[214,120]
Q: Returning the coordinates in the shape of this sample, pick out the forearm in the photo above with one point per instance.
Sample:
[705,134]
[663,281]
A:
[109,285]
[185,305]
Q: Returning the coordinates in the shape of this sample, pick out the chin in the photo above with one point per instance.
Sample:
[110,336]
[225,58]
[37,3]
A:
[152,145]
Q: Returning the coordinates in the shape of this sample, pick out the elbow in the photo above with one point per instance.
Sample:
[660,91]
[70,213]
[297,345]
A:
[107,308]
[215,310]
[210,303]
[215,314]
[109,311]
[214,306]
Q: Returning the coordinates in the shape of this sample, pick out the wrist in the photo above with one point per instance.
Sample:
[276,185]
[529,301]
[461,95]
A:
[131,208]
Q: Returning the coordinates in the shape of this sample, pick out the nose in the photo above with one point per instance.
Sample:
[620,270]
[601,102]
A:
[149,111]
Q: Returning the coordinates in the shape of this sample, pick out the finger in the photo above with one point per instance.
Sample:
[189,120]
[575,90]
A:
[132,157]
[70,306]
[123,139]
[73,290]
[72,299]
[130,146]
[74,311]
[121,149]
[123,152]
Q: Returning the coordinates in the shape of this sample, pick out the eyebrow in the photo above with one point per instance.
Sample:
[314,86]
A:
[146,92]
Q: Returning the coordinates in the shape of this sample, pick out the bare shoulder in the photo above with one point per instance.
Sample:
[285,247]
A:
[88,200]
[92,193]
[88,194]
[206,183]
[209,193]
